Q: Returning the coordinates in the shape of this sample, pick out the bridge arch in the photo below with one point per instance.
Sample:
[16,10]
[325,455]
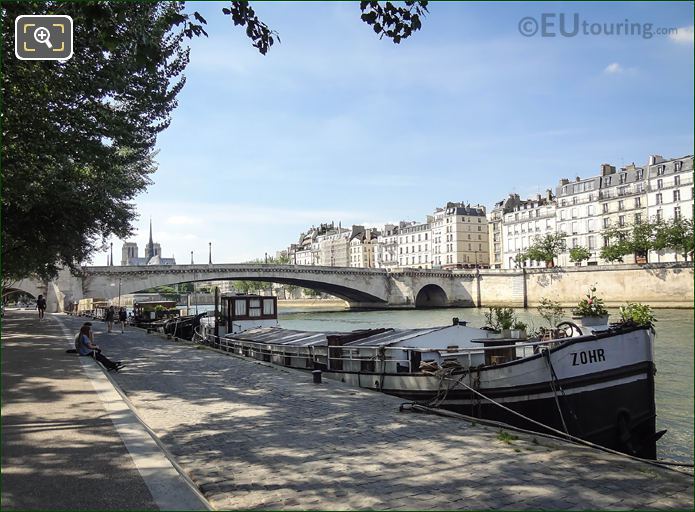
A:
[431,296]
[342,292]
[356,286]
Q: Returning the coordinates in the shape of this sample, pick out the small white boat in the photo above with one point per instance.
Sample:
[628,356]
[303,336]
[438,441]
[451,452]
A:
[598,385]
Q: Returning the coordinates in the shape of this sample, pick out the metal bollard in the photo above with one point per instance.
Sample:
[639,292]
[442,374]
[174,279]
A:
[317,376]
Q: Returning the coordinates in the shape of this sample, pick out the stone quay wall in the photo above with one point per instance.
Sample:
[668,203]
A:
[659,285]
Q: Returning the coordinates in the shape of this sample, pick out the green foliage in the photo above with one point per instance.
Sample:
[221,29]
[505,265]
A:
[387,20]
[519,325]
[639,239]
[614,252]
[500,318]
[676,235]
[590,305]
[550,311]
[579,254]
[634,312]
[311,293]
[506,437]
[545,248]
[250,287]
[394,22]
[78,136]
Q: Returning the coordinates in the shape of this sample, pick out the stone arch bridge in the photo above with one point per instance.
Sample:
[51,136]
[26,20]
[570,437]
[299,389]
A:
[361,288]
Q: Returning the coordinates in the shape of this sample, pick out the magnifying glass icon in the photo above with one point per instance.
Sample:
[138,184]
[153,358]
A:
[43,36]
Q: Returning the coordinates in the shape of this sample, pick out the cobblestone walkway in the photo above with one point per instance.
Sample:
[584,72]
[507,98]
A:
[257,437]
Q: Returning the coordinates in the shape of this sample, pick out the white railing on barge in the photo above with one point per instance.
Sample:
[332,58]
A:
[364,358]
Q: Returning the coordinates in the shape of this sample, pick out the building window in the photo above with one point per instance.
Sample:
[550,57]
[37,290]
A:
[638,202]
[592,244]
[659,183]
[676,195]
[606,222]
[607,180]
[606,241]
[574,228]
[659,215]
[621,205]
[677,213]
[659,199]
[640,174]
[623,177]
[660,170]
[605,207]
[621,221]
[638,218]
[563,203]
[590,225]
[575,200]
[678,166]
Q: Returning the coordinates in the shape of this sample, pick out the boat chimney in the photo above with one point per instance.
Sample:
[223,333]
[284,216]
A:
[455,320]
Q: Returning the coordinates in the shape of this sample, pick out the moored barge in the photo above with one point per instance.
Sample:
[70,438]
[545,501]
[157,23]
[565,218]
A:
[596,385]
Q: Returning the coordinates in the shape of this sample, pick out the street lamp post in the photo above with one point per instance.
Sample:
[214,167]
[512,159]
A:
[210,253]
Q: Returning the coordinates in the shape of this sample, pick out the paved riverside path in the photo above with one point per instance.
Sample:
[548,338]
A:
[68,440]
[258,437]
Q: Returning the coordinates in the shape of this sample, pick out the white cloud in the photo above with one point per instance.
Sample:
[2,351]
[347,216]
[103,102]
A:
[613,68]
[683,36]
[178,220]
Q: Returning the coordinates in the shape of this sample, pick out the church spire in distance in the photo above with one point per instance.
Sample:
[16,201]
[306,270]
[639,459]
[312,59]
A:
[149,250]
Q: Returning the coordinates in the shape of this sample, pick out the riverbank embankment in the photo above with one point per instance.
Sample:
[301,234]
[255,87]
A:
[251,435]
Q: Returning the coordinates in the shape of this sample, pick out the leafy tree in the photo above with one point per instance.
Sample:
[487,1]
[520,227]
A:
[78,136]
[613,253]
[311,293]
[579,254]
[676,235]
[546,248]
[637,239]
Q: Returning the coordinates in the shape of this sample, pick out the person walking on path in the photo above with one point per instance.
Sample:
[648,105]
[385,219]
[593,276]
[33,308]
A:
[122,317]
[110,314]
[41,306]
[88,348]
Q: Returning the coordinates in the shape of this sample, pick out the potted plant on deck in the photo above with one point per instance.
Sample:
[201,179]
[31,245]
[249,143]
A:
[501,319]
[518,329]
[638,314]
[591,312]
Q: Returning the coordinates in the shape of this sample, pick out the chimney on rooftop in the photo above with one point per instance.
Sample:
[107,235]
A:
[607,169]
[655,159]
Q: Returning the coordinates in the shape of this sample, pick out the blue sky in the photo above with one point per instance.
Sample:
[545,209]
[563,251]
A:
[336,125]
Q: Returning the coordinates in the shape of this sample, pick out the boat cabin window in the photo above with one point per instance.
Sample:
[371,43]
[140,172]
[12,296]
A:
[250,308]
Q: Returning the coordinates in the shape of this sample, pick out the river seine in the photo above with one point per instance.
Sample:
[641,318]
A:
[673,353]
